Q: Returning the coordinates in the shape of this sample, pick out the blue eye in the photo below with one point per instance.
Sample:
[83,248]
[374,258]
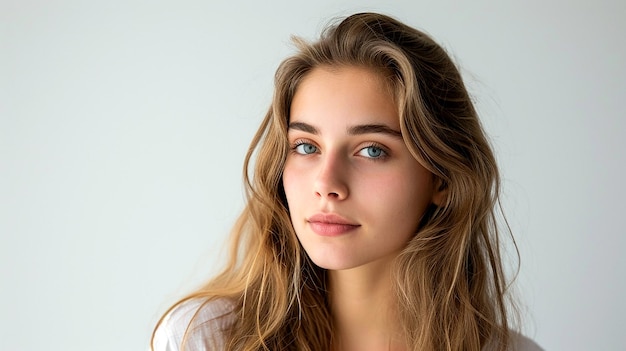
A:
[373,152]
[305,149]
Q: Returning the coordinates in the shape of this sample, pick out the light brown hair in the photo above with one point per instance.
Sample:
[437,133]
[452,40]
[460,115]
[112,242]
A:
[449,280]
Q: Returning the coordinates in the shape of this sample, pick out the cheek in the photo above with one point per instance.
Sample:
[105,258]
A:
[292,183]
[394,187]
[403,199]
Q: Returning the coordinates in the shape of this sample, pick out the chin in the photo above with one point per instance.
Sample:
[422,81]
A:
[334,263]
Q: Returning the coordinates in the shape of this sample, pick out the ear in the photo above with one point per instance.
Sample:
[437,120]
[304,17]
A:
[440,192]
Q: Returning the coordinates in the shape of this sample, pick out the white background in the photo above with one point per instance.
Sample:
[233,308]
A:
[123,126]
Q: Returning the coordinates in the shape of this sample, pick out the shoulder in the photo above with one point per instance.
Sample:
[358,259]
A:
[204,322]
[520,342]
[517,342]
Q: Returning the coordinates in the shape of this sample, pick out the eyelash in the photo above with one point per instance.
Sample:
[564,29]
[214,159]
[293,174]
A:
[384,152]
[300,142]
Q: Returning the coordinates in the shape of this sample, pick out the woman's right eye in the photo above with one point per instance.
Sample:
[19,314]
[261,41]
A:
[305,149]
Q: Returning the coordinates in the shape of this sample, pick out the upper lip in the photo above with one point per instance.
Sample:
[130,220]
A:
[330,218]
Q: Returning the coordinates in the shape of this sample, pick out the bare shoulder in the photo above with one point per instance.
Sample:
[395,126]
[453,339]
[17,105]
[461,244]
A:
[203,322]
[520,342]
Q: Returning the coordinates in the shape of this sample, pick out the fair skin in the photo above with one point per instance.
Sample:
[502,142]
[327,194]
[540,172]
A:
[355,194]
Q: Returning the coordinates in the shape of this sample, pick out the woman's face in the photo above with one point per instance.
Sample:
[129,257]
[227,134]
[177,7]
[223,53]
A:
[355,193]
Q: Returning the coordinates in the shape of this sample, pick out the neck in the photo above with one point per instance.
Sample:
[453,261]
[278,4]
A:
[363,309]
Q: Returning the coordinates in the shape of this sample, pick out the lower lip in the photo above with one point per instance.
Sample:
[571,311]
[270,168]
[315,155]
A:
[331,229]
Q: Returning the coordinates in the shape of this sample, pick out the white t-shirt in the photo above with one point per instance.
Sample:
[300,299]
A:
[207,330]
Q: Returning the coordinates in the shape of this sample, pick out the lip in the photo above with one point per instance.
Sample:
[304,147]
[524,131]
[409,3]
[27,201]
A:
[328,224]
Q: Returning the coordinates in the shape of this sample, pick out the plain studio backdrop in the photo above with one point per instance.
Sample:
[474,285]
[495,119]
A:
[123,127]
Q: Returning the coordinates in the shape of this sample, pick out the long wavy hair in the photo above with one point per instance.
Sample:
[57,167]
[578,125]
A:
[449,281]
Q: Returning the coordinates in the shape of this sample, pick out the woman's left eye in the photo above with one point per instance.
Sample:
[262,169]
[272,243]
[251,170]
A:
[373,151]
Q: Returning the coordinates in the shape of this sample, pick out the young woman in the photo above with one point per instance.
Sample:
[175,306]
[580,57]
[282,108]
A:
[370,221]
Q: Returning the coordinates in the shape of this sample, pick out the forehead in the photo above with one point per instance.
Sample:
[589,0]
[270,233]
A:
[345,93]
[377,77]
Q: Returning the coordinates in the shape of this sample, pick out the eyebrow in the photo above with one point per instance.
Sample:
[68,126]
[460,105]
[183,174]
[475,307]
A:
[354,130]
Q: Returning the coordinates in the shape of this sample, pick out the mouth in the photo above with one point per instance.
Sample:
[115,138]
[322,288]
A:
[331,224]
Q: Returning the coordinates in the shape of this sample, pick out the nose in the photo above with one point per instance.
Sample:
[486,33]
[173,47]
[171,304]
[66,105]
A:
[331,181]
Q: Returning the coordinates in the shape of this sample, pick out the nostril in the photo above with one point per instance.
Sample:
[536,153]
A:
[330,194]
